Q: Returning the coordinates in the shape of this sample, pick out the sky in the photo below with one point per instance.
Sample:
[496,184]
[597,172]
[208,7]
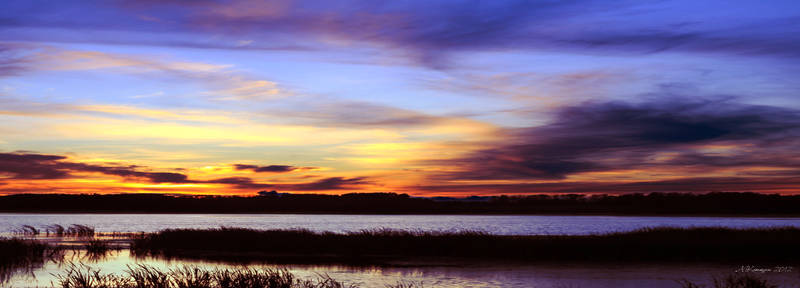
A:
[428,98]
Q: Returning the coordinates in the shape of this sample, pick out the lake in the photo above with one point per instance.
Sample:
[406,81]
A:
[467,274]
[452,275]
[495,224]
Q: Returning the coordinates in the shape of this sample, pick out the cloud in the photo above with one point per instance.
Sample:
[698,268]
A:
[695,184]
[610,136]
[428,32]
[43,166]
[270,168]
[223,82]
[331,183]
[364,115]
[32,166]
[241,183]
[354,114]
[767,38]
[549,89]
[684,184]
[12,61]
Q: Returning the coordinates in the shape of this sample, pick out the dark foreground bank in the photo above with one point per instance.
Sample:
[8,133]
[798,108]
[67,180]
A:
[303,246]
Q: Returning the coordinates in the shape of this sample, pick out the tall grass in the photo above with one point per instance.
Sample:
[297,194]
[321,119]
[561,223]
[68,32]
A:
[732,281]
[98,246]
[651,244]
[26,230]
[74,230]
[143,276]
[55,230]
[21,254]
[78,230]
[97,249]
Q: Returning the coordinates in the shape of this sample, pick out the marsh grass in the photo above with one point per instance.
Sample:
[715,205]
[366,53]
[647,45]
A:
[98,249]
[77,230]
[26,230]
[55,230]
[407,285]
[119,235]
[143,276]
[99,246]
[23,255]
[732,281]
[650,244]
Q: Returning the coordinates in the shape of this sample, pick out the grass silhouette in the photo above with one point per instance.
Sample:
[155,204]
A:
[144,276]
[732,281]
[649,244]
[21,254]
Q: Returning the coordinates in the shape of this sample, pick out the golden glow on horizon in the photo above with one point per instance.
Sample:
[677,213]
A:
[229,135]
[223,110]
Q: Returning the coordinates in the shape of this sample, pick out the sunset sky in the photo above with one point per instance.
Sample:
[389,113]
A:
[428,98]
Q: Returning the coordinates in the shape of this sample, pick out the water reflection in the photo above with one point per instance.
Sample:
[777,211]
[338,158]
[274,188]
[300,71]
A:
[24,256]
[452,275]
[110,254]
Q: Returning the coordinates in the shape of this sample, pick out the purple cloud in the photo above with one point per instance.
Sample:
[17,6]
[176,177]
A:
[617,136]
[427,31]
[270,168]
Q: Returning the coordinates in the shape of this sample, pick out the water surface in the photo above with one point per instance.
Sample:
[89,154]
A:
[437,275]
[505,225]
[618,275]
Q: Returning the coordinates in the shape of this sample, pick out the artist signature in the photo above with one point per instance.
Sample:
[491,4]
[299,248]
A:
[763,269]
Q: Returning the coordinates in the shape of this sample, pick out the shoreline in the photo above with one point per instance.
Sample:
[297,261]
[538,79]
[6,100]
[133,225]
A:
[402,214]
[713,204]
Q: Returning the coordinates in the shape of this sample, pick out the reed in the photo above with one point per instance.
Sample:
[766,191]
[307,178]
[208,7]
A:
[732,281]
[650,244]
[21,255]
[15,249]
[56,230]
[99,247]
[144,276]
[26,230]
[78,230]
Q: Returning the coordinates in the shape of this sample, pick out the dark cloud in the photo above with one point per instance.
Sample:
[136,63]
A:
[42,166]
[615,136]
[125,171]
[688,184]
[270,168]
[241,183]
[26,165]
[694,184]
[31,166]
[785,172]
[332,183]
